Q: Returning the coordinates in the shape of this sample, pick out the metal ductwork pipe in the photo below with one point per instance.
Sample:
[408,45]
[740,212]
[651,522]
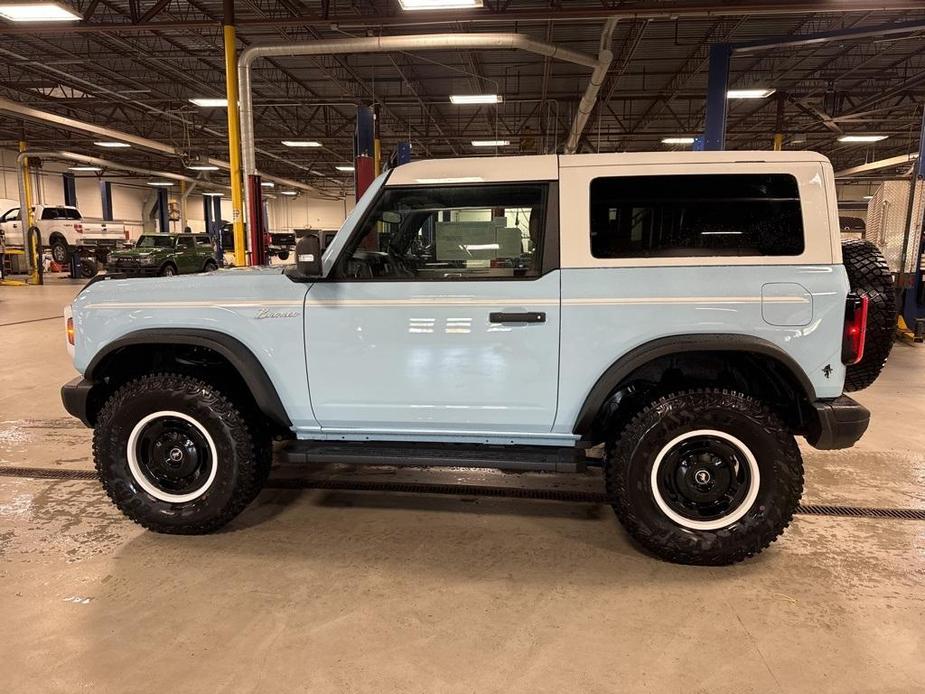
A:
[589,99]
[385,44]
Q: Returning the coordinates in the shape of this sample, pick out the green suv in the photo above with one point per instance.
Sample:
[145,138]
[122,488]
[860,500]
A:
[165,254]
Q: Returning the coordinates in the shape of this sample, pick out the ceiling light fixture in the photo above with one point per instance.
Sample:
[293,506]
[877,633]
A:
[268,184]
[862,138]
[37,12]
[678,140]
[301,143]
[112,145]
[288,192]
[212,194]
[201,166]
[160,184]
[344,168]
[475,99]
[210,102]
[439,4]
[85,168]
[490,143]
[754,93]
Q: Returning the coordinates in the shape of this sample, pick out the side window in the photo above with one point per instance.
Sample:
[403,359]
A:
[185,242]
[696,215]
[203,241]
[52,213]
[71,213]
[450,233]
[11,215]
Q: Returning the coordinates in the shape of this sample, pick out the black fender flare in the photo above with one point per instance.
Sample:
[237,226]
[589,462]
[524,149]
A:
[707,342]
[241,358]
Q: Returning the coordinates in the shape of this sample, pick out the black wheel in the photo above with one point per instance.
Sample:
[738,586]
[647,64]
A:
[870,276]
[88,268]
[283,255]
[210,266]
[176,455]
[168,270]
[60,252]
[704,477]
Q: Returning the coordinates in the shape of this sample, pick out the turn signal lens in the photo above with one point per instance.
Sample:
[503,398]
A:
[852,349]
[70,331]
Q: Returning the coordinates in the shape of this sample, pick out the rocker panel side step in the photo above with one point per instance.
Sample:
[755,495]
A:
[523,458]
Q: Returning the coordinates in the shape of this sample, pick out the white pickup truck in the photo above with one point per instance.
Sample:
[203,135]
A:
[62,228]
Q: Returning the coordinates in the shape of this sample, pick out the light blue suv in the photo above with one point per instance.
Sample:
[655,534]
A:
[691,312]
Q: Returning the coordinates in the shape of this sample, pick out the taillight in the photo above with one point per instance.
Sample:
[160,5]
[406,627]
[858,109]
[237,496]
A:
[70,331]
[852,346]
[79,228]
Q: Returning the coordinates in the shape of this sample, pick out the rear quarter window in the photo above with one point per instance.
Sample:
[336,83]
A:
[696,215]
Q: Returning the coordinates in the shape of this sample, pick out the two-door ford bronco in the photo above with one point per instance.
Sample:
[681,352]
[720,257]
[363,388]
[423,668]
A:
[693,313]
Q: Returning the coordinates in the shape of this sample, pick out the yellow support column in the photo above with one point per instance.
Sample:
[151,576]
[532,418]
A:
[27,219]
[234,134]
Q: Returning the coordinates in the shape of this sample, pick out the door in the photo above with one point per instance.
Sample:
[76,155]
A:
[186,254]
[441,314]
[12,229]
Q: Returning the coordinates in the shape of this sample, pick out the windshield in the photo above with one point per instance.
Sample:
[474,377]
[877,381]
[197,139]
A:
[333,249]
[155,242]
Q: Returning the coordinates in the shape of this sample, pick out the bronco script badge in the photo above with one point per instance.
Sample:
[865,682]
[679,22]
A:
[268,313]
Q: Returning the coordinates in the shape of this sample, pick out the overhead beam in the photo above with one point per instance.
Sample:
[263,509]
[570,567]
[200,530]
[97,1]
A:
[824,36]
[153,11]
[488,15]
[878,165]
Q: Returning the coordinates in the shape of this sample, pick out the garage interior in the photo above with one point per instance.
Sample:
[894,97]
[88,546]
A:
[361,578]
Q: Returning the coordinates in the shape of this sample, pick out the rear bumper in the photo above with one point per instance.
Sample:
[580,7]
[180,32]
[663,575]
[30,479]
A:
[75,395]
[839,423]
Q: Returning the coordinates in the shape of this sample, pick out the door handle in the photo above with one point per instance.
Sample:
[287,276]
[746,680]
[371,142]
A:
[531,317]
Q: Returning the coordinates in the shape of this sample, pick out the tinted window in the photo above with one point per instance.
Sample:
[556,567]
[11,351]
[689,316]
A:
[54,213]
[203,241]
[155,242]
[185,241]
[70,213]
[695,215]
[446,233]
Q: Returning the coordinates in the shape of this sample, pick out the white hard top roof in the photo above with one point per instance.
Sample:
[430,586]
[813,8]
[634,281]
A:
[545,167]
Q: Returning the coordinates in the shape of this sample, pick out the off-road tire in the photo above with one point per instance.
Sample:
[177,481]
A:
[209,266]
[870,276]
[168,270]
[241,462]
[630,458]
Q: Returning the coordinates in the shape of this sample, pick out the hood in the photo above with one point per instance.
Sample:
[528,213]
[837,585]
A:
[137,252]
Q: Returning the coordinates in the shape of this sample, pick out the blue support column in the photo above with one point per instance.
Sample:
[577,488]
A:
[913,304]
[70,189]
[216,208]
[163,212]
[714,129]
[207,213]
[106,200]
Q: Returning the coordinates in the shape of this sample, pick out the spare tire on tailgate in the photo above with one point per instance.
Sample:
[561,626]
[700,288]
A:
[870,276]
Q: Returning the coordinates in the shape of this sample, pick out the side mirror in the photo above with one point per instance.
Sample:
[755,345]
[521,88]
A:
[308,256]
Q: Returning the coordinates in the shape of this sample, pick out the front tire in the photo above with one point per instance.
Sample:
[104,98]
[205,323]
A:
[169,270]
[60,251]
[176,455]
[707,477]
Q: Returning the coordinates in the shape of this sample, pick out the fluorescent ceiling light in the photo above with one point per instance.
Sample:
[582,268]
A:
[85,168]
[160,184]
[438,4]
[288,192]
[201,167]
[301,143]
[862,138]
[213,194]
[475,99]
[210,102]
[678,140]
[755,93]
[344,168]
[268,184]
[868,197]
[37,12]
[490,143]
[112,145]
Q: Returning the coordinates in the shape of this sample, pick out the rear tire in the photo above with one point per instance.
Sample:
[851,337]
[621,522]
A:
[209,266]
[870,276]
[707,477]
[176,455]
[169,270]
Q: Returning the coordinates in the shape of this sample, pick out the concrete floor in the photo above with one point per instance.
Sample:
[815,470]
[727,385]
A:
[350,591]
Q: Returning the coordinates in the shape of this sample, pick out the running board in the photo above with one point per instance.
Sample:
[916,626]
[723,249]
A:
[522,458]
